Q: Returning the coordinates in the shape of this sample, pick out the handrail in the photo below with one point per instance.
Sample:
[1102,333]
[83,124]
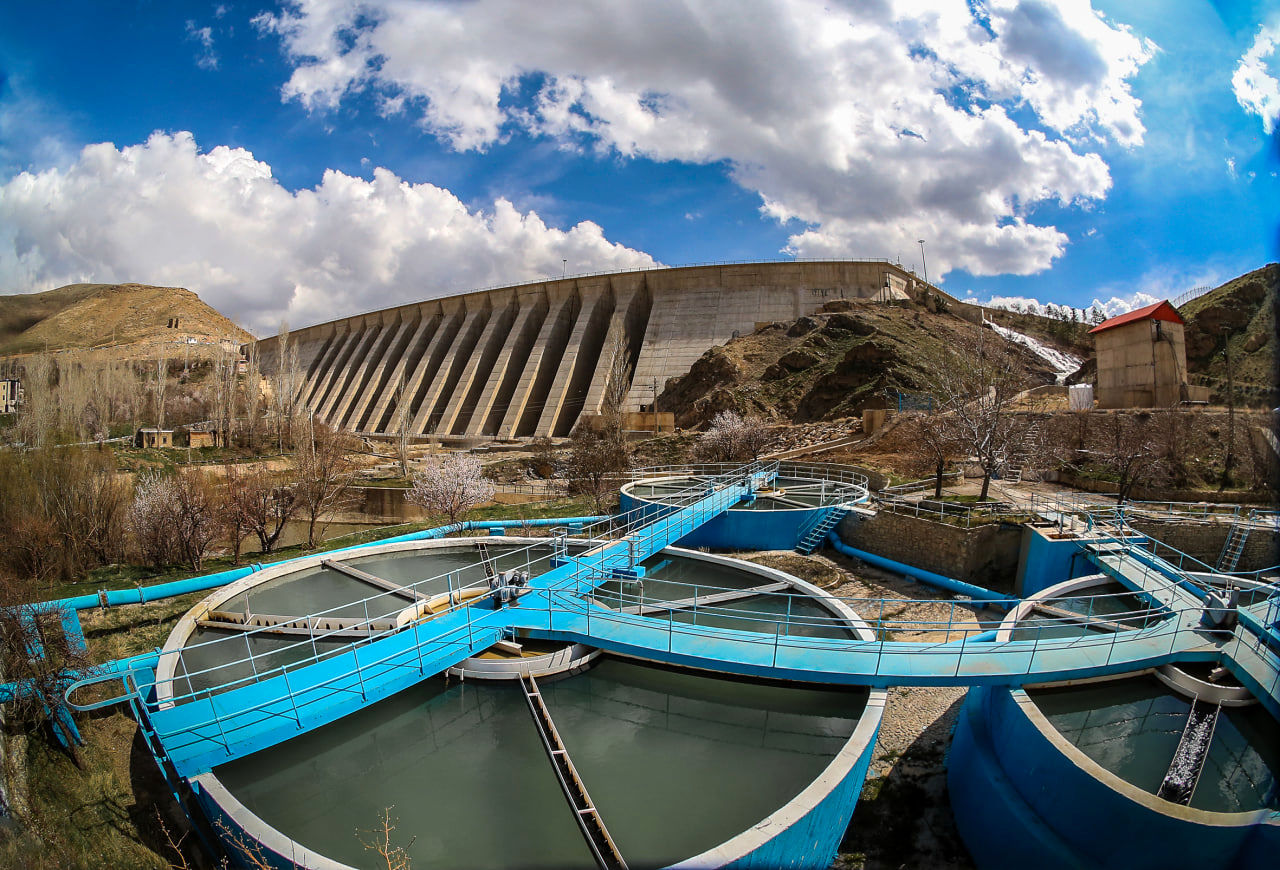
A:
[634,522]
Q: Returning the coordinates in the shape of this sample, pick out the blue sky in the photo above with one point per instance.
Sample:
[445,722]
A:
[309,160]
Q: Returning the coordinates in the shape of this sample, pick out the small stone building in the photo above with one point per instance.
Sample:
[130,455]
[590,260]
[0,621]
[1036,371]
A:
[10,394]
[1142,359]
[153,438]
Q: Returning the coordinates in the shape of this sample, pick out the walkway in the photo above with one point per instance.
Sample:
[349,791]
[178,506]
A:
[200,731]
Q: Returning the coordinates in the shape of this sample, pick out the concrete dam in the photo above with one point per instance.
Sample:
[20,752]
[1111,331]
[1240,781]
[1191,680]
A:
[532,359]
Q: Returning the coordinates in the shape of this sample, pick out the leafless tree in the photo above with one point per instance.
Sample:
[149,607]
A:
[252,388]
[159,387]
[284,387]
[325,474]
[225,383]
[450,484]
[38,657]
[232,506]
[266,503]
[196,516]
[38,416]
[936,443]
[973,381]
[401,426]
[1128,447]
[596,459]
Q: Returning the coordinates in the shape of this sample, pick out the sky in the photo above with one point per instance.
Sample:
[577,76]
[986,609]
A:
[302,161]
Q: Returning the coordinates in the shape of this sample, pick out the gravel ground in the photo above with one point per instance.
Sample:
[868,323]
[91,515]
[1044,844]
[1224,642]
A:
[904,817]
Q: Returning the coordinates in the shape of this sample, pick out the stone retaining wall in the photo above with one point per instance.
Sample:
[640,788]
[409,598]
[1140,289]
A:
[986,555]
[1204,541]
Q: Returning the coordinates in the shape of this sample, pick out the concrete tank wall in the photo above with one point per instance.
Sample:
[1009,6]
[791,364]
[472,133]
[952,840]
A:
[1024,797]
[531,359]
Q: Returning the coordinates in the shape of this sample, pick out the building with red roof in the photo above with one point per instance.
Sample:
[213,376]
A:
[1142,359]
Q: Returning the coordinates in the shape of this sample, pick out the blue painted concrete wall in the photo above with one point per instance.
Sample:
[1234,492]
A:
[812,841]
[1045,562]
[1020,802]
[742,530]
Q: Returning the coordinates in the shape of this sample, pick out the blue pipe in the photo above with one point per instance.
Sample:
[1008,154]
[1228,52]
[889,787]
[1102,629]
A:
[984,637]
[948,583]
[146,594]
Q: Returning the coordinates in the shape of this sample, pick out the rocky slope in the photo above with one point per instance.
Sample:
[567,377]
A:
[850,356]
[1240,318]
[114,315]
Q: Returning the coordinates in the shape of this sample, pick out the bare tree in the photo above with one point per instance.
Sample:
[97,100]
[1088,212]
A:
[38,416]
[225,384]
[937,444]
[195,516]
[159,387]
[450,484]
[596,458]
[325,475]
[1128,448]
[252,385]
[40,660]
[974,381]
[285,386]
[232,503]
[266,503]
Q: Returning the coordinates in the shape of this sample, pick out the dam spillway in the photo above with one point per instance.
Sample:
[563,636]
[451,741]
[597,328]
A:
[532,359]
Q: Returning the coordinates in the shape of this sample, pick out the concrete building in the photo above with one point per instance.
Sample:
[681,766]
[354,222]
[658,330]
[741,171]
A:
[1142,360]
[10,395]
[153,438]
[530,359]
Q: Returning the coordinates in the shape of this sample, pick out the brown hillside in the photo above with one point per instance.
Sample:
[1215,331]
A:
[1239,317]
[97,315]
[848,357]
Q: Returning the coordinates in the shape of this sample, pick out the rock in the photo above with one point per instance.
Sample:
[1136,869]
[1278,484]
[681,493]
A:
[803,326]
[848,323]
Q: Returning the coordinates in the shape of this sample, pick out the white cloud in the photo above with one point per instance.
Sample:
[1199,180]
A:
[1257,90]
[871,124]
[206,58]
[219,223]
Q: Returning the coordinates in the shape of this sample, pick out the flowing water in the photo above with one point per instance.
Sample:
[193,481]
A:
[1132,727]
[1063,363]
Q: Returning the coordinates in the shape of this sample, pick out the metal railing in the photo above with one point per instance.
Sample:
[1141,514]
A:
[641,526]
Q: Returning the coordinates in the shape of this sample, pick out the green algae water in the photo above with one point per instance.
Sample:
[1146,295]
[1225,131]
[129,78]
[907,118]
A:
[676,762]
[1132,727]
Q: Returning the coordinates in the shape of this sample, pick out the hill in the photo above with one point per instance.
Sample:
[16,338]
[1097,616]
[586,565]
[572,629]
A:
[133,316]
[849,356]
[1240,318]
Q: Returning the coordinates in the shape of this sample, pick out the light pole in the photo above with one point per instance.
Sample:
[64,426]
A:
[923,264]
[564,268]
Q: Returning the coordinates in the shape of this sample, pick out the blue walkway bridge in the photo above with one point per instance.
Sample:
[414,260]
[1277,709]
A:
[198,718]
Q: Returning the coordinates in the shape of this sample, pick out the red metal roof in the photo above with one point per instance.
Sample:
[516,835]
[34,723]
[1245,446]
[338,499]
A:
[1156,311]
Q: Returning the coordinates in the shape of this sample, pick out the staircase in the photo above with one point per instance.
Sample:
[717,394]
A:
[811,539]
[1017,462]
[1229,558]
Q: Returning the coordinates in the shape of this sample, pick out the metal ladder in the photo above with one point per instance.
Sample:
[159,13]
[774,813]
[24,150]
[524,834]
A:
[815,536]
[1233,546]
[599,841]
[485,559]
